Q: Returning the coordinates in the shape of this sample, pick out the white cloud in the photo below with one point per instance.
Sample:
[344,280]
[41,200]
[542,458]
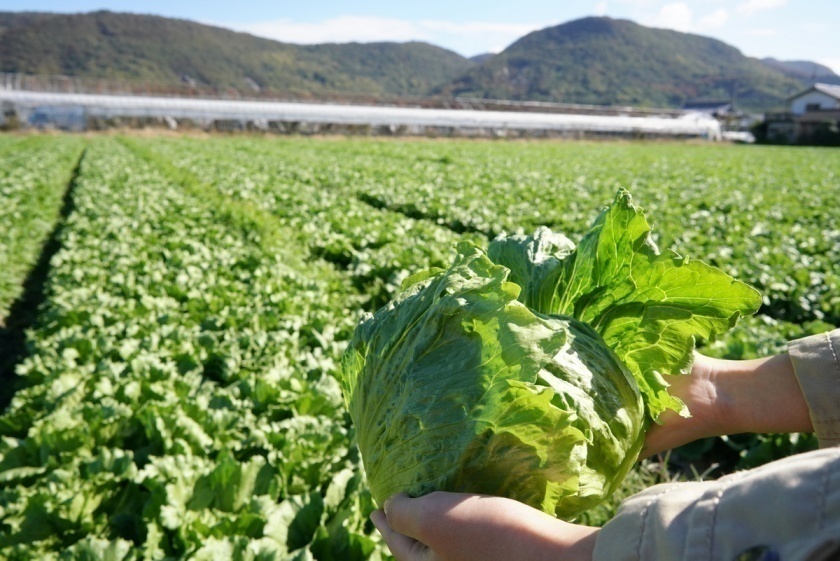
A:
[480,28]
[716,19]
[751,7]
[679,16]
[343,29]
[601,9]
[639,3]
[760,32]
[676,15]
[833,63]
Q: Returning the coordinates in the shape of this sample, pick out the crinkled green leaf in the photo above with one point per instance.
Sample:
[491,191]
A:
[648,306]
[459,386]
[534,263]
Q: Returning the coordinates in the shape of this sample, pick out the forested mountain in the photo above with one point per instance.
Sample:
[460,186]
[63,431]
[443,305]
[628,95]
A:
[603,60]
[805,71]
[594,60]
[171,51]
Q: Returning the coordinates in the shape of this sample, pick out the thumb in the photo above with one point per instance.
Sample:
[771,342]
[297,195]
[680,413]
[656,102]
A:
[402,547]
[405,515]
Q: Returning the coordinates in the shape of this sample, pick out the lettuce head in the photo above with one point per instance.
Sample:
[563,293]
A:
[532,370]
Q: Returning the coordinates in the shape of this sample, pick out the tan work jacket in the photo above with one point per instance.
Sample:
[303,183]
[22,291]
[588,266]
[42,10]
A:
[788,510]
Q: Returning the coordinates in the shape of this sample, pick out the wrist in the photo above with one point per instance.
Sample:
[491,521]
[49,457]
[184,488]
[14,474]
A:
[584,546]
[759,396]
[572,542]
[731,397]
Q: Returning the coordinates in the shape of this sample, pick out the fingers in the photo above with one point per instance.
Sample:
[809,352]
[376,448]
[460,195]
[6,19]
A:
[402,547]
[474,527]
[412,527]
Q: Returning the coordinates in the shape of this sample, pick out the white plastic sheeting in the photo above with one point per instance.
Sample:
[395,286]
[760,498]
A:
[262,111]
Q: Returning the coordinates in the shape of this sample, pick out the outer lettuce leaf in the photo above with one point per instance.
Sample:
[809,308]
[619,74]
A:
[458,386]
[534,263]
[648,306]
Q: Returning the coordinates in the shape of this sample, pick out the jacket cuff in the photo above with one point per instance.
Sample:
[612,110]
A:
[637,532]
[817,366]
[789,509]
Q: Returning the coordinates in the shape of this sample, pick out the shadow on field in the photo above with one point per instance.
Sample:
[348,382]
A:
[24,310]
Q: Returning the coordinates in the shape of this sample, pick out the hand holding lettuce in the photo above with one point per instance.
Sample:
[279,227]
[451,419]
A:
[532,371]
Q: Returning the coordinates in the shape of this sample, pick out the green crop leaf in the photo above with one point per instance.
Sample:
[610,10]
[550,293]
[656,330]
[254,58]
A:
[648,306]
[93,549]
[341,545]
[535,263]
[337,491]
[231,484]
[459,386]
[294,523]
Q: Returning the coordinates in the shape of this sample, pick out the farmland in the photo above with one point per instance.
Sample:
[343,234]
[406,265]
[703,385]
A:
[173,311]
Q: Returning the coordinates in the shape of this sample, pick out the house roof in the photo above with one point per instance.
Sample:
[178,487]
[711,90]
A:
[827,89]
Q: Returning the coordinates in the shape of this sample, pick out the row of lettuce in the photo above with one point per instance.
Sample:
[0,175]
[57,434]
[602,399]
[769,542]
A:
[179,394]
[34,173]
[313,190]
[382,210]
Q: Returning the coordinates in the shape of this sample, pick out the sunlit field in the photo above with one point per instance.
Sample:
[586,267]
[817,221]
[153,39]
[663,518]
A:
[173,311]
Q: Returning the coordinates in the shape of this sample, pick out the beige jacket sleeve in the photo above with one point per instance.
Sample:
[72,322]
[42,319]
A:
[788,510]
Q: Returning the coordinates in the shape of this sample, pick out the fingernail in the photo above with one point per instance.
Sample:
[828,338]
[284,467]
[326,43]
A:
[386,504]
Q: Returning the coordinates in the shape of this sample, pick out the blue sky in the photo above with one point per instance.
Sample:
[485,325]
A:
[784,29]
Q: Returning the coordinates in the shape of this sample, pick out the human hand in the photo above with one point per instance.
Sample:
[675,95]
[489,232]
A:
[464,527]
[730,397]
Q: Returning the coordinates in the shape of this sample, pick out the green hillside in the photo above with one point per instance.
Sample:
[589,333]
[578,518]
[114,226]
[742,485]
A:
[805,71]
[591,60]
[608,61]
[163,50]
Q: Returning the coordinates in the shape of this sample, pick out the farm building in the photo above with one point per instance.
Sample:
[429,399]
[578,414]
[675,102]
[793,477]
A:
[813,117]
[819,97]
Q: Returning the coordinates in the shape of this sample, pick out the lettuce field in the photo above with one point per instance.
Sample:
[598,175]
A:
[173,311]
